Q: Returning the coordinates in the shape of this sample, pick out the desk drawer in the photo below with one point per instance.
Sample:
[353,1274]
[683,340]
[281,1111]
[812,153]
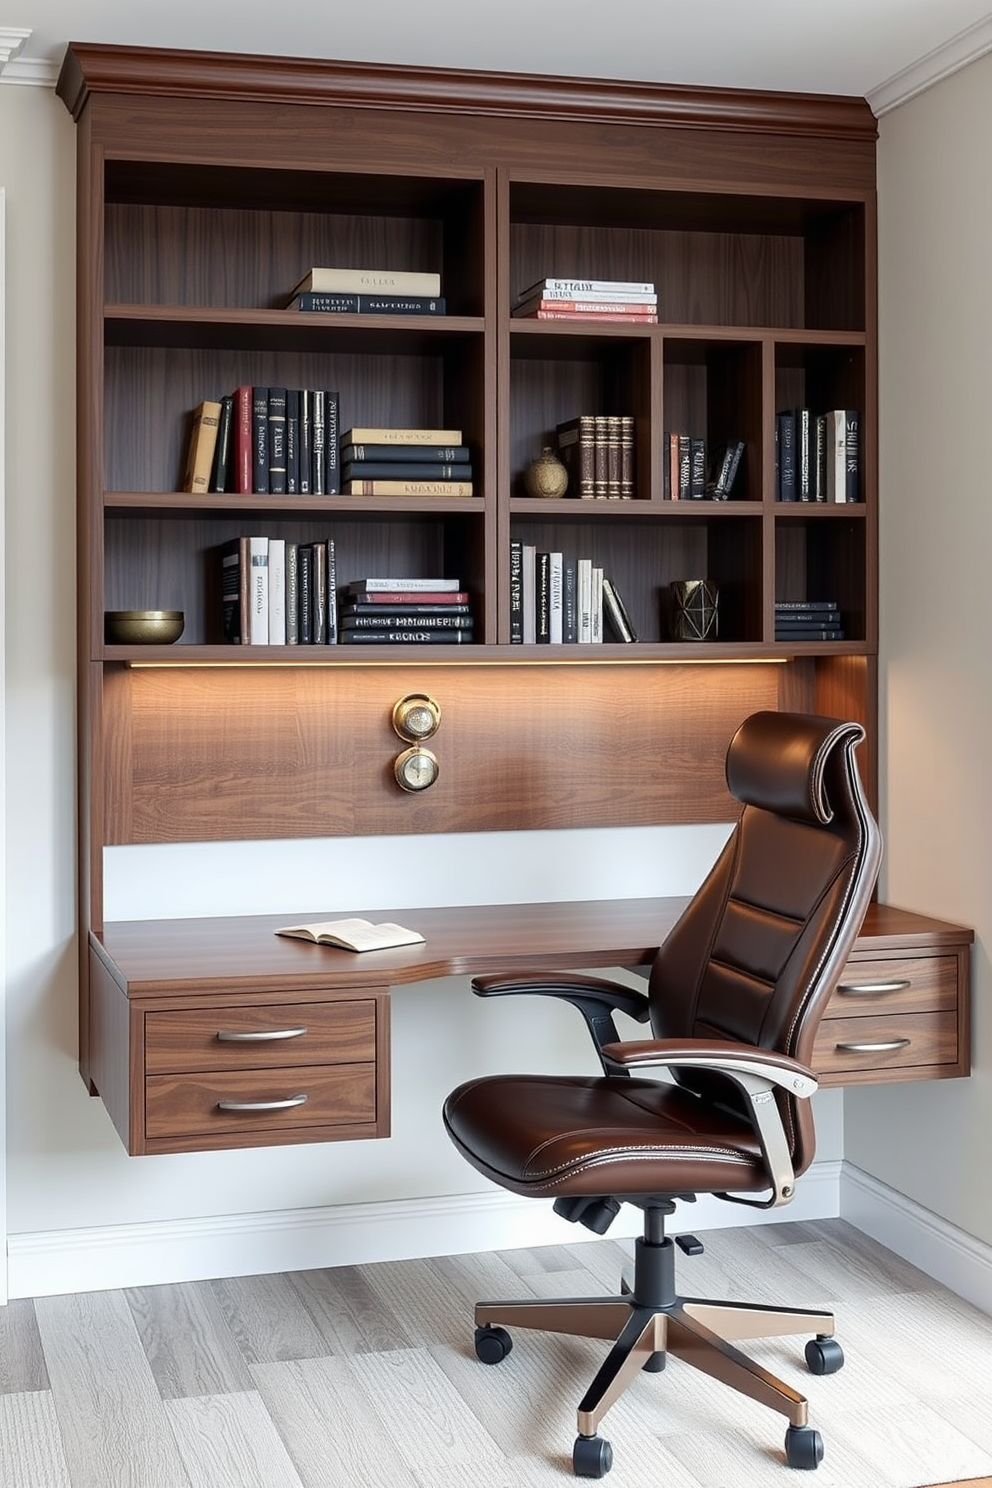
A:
[901,985]
[190,1105]
[895,1041]
[260,1036]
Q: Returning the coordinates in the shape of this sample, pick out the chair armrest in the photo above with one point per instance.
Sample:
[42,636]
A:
[596,998]
[755,1072]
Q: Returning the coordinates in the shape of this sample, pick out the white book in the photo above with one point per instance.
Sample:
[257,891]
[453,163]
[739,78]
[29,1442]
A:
[585,600]
[258,592]
[370,281]
[387,586]
[837,454]
[596,606]
[528,578]
[601,287]
[355,934]
[591,296]
[556,595]
[277,591]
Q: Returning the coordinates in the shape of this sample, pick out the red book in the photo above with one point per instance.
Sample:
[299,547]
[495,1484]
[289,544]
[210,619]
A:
[641,318]
[409,596]
[591,307]
[244,454]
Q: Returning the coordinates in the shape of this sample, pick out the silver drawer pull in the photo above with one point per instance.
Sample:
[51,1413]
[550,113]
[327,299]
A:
[273,1105]
[865,989]
[878,1048]
[233,1036]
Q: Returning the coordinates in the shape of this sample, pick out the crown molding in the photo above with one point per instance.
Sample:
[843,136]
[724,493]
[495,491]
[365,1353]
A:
[17,69]
[944,60]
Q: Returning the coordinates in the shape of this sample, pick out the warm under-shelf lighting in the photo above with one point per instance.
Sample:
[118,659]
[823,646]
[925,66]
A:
[364,664]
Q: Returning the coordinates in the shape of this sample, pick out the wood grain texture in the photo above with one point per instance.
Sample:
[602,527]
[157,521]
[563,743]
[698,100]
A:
[186,1341]
[31,1451]
[231,1440]
[22,1362]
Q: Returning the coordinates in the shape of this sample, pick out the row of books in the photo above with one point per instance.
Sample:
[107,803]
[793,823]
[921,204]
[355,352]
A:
[808,620]
[597,450]
[696,471]
[406,611]
[278,593]
[559,600]
[624,300]
[265,441]
[817,455]
[338,291]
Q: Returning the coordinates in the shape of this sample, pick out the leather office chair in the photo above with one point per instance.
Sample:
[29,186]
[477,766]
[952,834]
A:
[734,999]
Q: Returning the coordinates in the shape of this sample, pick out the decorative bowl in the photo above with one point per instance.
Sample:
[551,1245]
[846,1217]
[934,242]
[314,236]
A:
[143,627]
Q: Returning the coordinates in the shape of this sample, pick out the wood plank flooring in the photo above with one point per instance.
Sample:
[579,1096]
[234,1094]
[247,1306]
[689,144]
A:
[366,1376]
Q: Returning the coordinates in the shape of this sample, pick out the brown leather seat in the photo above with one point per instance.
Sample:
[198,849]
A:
[733,1001]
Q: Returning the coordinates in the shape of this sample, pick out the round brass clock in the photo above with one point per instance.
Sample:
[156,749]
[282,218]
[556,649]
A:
[416,716]
[416,768]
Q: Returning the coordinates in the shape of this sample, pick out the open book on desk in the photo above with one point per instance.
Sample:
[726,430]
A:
[353,935]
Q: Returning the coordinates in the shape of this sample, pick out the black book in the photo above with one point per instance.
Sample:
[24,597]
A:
[615,612]
[220,478]
[685,467]
[277,441]
[825,616]
[234,569]
[724,469]
[306,442]
[418,636]
[697,469]
[570,600]
[785,443]
[404,620]
[803,606]
[427,610]
[318,593]
[516,592]
[332,430]
[852,490]
[260,439]
[317,463]
[449,454]
[332,591]
[292,441]
[292,594]
[542,595]
[809,632]
[818,456]
[804,455]
[304,564]
[367,304]
[386,470]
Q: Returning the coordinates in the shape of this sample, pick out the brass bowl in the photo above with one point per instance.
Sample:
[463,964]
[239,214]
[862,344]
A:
[143,627]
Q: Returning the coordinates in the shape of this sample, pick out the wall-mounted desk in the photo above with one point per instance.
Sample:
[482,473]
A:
[214,1033]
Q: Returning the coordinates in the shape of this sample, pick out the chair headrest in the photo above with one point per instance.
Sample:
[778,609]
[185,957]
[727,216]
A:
[777,761]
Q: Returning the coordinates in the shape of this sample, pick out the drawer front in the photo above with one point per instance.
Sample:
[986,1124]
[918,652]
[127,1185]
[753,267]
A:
[260,1036]
[898,1041]
[259,1100]
[902,985]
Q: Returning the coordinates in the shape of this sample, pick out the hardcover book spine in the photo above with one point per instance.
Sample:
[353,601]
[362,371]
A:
[332,434]
[306,442]
[317,458]
[375,585]
[401,470]
[244,449]
[641,318]
[332,592]
[304,563]
[585,600]
[318,593]
[852,487]
[626,456]
[601,484]
[818,456]
[277,591]
[329,303]
[292,594]
[542,592]
[292,441]
[570,602]
[786,430]
[555,598]
[277,441]
[220,479]
[201,448]
[516,592]
[390,436]
[381,487]
[235,591]
[419,454]
[697,469]
[258,549]
[260,439]
[404,620]
[577,449]
[804,455]
[404,637]
[530,593]
[370,282]
[596,606]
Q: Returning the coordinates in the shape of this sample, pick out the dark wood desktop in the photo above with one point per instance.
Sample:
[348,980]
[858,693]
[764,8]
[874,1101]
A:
[213,1033]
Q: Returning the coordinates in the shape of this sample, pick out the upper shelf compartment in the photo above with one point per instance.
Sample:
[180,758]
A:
[241,238]
[748,260]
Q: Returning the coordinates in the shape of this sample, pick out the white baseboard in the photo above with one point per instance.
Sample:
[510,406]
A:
[99,1259]
[945,1252]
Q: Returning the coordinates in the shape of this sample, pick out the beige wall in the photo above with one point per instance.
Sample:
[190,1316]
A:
[935,213]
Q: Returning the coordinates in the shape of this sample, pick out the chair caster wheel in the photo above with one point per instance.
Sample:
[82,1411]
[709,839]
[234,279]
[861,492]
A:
[824,1356]
[492,1344]
[803,1447]
[592,1457]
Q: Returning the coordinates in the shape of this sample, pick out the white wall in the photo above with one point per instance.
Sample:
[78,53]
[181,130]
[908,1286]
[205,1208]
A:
[70,1183]
[3,791]
[930,1142]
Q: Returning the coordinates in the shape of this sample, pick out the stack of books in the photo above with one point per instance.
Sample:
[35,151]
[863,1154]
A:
[624,300]
[559,600]
[405,462]
[696,471]
[816,455]
[808,620]
[405,611]
[598,453]
[368,292]
[268,441]
[278,593]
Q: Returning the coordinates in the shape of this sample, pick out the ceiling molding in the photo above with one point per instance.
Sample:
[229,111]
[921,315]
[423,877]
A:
[17,69]
[944,60]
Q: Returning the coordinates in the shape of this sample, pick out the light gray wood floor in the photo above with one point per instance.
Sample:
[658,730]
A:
[366,1376]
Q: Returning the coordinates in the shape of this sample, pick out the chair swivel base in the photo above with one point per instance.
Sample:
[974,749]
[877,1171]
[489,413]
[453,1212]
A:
[647,1322]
